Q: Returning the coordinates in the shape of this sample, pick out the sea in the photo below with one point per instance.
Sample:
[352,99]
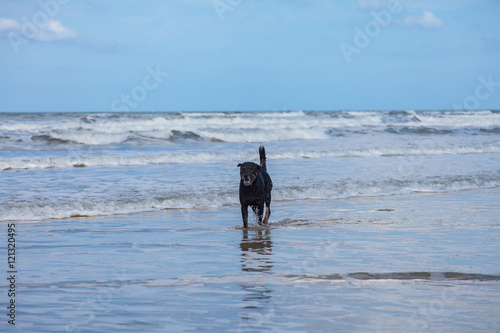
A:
[59,165]
[385,221]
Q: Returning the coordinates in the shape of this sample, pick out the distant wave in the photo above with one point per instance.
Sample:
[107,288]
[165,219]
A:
[19,130]
[78,159]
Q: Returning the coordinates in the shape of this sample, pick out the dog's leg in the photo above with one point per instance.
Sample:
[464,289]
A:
[260,213]
[268,212]
[244,215]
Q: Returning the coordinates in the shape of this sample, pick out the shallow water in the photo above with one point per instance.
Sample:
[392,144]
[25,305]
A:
[381,221]
[401,263]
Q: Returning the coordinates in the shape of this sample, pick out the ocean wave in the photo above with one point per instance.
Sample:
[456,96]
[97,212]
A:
[238,127]
[121,201]
[60,207]
[387,187]
[85,158]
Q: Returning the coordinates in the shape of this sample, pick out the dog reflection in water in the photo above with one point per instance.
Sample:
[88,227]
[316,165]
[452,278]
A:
[256,251]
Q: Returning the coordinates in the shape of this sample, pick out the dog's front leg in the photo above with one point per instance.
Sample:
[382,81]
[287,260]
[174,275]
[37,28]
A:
[244,215]
[260,212]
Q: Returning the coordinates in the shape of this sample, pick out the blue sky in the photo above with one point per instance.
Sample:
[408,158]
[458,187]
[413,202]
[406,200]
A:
[238,55]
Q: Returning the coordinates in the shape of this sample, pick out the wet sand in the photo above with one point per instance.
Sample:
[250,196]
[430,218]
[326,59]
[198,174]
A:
[403,263]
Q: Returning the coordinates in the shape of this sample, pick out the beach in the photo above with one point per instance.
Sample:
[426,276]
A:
[125,223]
[426,263]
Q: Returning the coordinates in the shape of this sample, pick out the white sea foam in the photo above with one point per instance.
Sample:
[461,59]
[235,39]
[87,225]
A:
[105,129]
[193,196]
[89,159]
[62,165]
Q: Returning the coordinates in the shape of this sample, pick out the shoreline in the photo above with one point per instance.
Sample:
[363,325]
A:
[384,263]
[343,205]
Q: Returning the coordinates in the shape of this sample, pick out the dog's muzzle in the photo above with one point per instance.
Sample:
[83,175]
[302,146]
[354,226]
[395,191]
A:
[247,181]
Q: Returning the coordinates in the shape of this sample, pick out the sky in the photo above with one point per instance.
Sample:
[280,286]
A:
[244,55]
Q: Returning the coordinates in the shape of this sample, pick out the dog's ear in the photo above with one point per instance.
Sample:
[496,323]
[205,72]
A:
[239,164]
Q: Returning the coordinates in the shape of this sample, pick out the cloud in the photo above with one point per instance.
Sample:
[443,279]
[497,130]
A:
[54,31]
[8,25]
[51,31]
[427,20]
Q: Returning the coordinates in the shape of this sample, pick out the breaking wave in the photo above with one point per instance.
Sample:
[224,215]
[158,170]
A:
[20,130]
[82,158]
[192,196]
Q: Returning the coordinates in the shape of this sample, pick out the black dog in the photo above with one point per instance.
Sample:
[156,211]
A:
[255,188]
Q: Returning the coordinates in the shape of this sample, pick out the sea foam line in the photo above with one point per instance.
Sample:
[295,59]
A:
[84,160]
[105,129]
[124,202]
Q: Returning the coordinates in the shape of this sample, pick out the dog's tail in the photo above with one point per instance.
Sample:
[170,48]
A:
[262,153]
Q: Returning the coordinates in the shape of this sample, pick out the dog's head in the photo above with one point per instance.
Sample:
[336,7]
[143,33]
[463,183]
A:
[248,172]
